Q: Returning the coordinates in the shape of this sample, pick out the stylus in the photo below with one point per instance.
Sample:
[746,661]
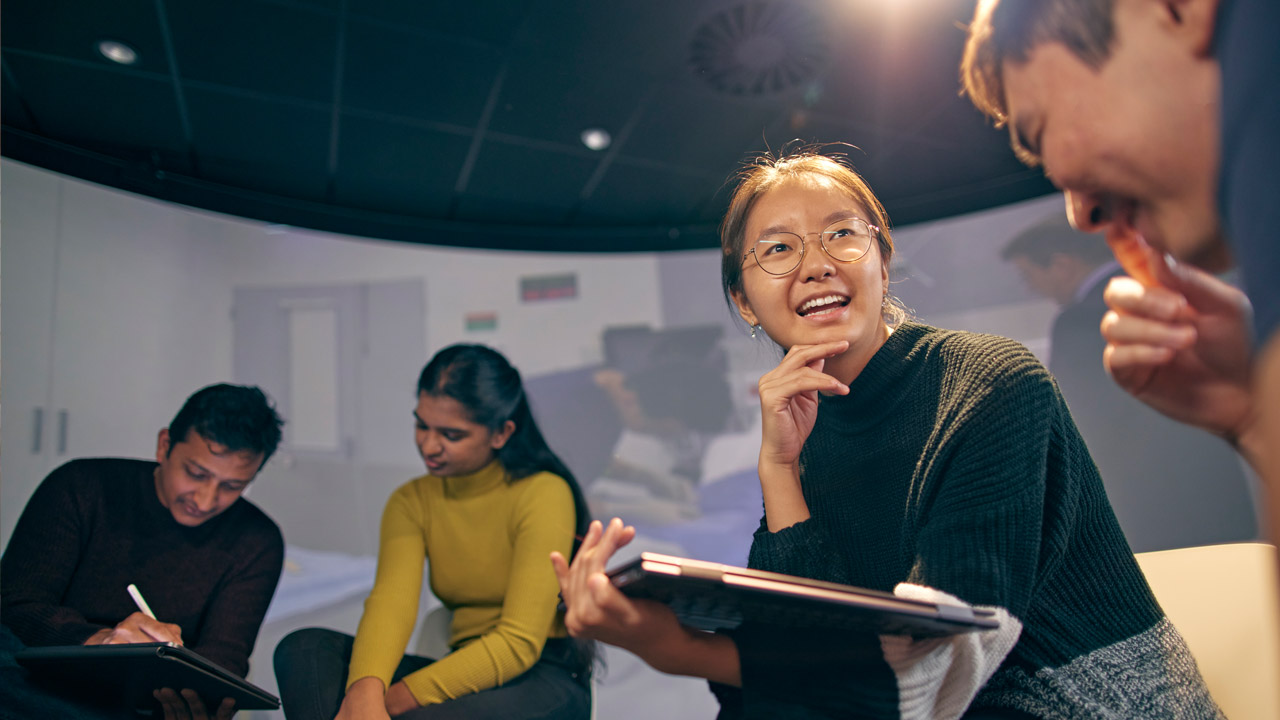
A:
[137,600]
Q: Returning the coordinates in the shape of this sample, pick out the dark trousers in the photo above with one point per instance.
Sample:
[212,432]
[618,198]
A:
[311,672]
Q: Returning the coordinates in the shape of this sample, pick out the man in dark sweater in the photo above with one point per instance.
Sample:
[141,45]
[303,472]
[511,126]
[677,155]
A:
[206,561]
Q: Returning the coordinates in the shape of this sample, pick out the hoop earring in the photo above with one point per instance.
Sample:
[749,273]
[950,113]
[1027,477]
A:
[756,328]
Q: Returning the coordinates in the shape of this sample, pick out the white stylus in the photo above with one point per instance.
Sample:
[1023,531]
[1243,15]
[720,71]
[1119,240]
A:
[137,600]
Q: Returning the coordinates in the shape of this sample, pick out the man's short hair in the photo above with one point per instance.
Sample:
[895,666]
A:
[1007,32]
[1055,236]
[238,416]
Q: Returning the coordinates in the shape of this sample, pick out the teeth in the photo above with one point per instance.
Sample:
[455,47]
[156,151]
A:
[818,302]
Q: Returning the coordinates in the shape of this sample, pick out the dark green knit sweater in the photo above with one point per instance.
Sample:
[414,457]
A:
[954,464]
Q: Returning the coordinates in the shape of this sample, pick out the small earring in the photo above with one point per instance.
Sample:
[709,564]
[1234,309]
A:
[755,328]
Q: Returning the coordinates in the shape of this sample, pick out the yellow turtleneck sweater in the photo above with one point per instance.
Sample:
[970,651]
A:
[487,541]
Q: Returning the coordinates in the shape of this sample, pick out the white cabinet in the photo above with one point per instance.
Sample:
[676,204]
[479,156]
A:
[29,212]
[98,352]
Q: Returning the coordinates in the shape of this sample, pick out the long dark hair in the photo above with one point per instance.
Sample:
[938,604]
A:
[490,389]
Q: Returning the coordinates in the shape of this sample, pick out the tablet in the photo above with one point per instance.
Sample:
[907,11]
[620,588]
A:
[131,672]
[711,596]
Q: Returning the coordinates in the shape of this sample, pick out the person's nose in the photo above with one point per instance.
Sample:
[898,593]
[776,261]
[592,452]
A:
[815,263]
[206,496]
[430,444]
[1089,212]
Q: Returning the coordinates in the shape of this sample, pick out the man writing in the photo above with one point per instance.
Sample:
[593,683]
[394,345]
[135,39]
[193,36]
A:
[206,561]
[1157,118]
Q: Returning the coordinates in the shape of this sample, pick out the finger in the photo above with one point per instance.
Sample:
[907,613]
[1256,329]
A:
[561,568]
[170,703]
[154,630]
[161,632]
[124,635]
[1133,367]
[806,354]
[608,544]
[1202,291]
[625,536]
[226,709]
[782,387]
[1120,329]
[195,705]
[594,531]
[1127,296]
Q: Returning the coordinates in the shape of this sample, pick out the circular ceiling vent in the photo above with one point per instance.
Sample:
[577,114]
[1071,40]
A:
[759,47]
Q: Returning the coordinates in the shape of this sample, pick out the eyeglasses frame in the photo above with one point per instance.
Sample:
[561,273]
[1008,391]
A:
[875,238]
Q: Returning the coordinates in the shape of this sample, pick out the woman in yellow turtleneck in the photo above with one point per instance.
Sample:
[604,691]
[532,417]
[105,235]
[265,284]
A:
[494,502]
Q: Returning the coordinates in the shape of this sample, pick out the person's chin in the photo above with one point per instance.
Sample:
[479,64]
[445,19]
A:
[1212,256]
[1189,238]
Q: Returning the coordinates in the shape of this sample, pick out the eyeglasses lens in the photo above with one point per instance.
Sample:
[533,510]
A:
[844,240]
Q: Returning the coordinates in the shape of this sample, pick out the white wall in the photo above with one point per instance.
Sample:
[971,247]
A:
[116,307]
[540,336]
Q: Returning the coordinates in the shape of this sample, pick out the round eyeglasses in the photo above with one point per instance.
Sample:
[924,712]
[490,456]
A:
[845,240]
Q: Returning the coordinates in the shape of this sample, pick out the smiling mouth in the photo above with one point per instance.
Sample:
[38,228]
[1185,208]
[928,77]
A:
[818,305]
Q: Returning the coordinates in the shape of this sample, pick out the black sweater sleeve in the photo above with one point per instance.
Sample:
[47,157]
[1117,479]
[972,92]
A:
[40,560]
[234,614]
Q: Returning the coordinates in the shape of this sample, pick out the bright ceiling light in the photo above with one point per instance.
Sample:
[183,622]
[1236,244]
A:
[596,138]
[118,52]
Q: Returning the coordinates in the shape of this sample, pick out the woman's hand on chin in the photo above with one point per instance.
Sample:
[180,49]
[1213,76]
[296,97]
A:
[789,400]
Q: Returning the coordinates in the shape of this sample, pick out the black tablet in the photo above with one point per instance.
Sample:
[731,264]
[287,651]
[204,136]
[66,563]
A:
[711,596]
[132,671]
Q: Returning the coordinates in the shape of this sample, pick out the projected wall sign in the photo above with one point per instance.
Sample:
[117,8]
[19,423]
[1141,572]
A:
[548,287]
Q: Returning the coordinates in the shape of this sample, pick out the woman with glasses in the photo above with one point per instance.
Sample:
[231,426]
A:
[934,464]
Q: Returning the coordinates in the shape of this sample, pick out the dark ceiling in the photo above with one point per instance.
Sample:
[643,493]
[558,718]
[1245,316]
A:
[459,123]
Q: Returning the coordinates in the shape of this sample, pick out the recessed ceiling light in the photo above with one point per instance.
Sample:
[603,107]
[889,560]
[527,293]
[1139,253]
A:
[118,52]
[596,138]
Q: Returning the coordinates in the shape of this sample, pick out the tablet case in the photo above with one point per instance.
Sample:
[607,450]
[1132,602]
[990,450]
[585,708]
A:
[132,671]
[711,596]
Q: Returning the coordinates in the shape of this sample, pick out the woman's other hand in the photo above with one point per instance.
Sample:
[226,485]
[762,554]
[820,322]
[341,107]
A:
[597,610]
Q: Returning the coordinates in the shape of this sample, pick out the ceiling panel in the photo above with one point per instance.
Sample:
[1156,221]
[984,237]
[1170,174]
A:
[524,185]
[255,46]
[437,122]
[98,105]
[13,107]
[71,29]
[488,22]
[648,196]
[286,154]
[397,168]
[402,73]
